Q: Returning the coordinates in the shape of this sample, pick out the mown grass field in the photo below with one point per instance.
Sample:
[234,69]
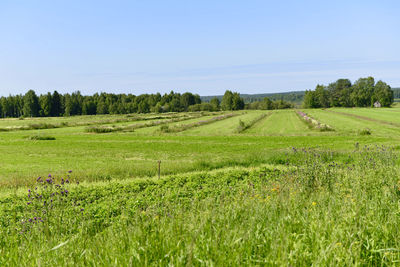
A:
[280,192]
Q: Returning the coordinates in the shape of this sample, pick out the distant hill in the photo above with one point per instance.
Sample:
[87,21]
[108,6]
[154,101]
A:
[396,92]
[295,97]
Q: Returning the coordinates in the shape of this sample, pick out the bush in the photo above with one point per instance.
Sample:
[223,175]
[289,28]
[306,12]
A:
[41,137]
[365,132]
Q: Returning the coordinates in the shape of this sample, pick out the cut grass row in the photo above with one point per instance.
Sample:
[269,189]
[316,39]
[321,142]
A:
[313,123]
[77,121]
[133,127]
[243,126]
[224,127]
[184,127]
[281,122]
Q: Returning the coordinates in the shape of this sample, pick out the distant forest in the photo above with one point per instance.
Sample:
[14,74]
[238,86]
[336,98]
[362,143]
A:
[295,97]
[55,104]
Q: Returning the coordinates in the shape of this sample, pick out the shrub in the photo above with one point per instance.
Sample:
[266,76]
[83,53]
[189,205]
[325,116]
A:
[41,137]
[365,132]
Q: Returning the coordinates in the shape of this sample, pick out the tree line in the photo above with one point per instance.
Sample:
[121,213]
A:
[56,104]
[342,93]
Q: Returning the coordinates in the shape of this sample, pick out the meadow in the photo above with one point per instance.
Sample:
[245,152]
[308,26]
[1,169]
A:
[236,188]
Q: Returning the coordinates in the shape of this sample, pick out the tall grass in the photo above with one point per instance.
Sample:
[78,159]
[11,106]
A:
[313,211]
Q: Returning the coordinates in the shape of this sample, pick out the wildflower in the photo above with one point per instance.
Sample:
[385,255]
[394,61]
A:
[69,171]
[314,203]
[29,203]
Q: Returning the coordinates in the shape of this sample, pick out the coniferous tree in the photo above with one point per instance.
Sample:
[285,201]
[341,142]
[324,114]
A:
[56,106]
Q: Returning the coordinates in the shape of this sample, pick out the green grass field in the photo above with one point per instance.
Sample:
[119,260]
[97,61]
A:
[277,193]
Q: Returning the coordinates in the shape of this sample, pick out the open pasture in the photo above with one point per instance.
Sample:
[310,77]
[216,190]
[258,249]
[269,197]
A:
[276,193]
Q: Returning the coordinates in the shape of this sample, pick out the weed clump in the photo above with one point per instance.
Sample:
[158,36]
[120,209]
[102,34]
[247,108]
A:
[41,137]
[165,129]
[365,132]
[99,129]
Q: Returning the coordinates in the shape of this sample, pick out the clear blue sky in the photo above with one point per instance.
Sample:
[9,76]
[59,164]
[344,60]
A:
[203,46]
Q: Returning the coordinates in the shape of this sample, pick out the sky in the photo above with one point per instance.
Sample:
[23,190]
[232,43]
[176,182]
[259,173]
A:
[204,47]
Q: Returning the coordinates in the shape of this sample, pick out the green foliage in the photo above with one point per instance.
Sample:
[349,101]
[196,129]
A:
[41,137]
[315,210]
[363,93]
[365,132]
[294,98]
[54,105]
[267,104]
[232,101]
[31,104]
